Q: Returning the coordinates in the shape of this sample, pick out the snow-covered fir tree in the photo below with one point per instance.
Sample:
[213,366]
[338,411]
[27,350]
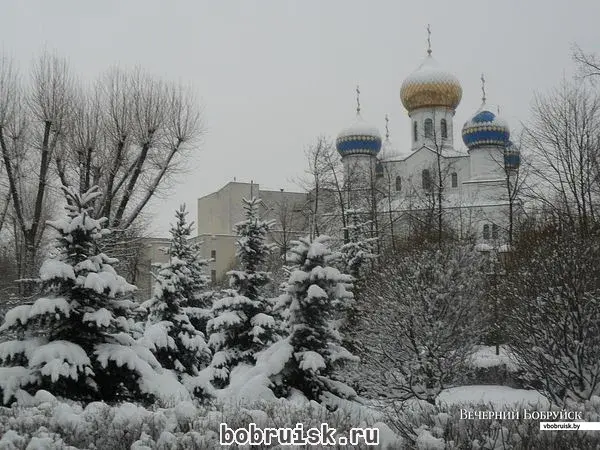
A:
[242,324]
[169,333]
[74,341]
[360,248]
[314,295]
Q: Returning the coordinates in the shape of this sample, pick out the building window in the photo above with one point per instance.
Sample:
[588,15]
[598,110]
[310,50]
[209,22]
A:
[486,231]
[398,184]
[426,179]
[494,231]
[213,254]
[428,128]
[454,179]
[444,128]
[213,276]
[415,132]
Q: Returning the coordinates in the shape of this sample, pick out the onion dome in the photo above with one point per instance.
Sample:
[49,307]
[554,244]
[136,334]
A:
[485,128]
[430,86]
[360,138]
[512,157]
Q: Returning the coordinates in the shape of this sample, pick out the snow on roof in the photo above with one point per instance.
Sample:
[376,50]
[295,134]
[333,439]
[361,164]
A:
[360,128]
[430,71]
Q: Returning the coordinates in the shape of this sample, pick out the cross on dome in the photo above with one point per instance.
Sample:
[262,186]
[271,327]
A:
[387,128]
[428,40]
[483,89]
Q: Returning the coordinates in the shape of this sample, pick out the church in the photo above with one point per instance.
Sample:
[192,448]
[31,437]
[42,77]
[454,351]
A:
[431,183]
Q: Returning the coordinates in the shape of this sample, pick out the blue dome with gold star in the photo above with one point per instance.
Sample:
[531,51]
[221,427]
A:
[485,128]
[359,139]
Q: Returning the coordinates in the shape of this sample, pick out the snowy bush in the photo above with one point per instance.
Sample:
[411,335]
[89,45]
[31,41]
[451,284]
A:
[431,427]
[74,341]
[241,323]
[420,319]
[552,300]
[51,424]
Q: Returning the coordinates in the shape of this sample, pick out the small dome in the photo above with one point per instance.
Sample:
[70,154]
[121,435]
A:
[430,86]
[512,157]
[485,128]
[387,150]
[360,138]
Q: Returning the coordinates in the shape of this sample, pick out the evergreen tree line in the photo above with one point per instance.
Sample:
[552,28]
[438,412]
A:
[86,339]
[414,322]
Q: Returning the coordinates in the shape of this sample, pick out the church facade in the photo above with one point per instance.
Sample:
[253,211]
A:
[432,184]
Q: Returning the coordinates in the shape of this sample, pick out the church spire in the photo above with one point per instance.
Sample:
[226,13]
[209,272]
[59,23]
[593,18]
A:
[428,40]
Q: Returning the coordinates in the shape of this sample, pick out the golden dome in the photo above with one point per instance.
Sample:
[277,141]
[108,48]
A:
[430,86]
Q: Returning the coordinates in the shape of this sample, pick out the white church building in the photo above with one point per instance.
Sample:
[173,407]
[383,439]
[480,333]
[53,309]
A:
[411,182]
[430,173]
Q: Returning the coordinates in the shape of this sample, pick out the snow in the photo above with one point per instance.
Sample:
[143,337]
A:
[485,357]
[226,318]
[251,383]
[317,248]
[360,128]
[310,360]
[101,317]
[316,292]
[429,72]
[483,247]
[9,349]
[426,441]
[498,396]
[153,380]
[263,320]
[194,342]
[19,314]
[61,359]
[53,268]
[25,399]
[297,277]
[99,282]
[156,336]
[46,305]
[13,378]
[42,306]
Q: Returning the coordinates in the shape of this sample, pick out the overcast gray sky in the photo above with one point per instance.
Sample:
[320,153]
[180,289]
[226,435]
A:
[272,75]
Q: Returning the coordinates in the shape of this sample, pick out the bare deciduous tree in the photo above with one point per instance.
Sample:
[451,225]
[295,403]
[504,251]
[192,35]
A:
[32,122]
[128,133]
[563,138]
[552,313]
[420,318]
[588,63]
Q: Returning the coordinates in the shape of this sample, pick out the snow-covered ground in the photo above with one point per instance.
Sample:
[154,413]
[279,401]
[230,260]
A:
[497,396]
[485,356]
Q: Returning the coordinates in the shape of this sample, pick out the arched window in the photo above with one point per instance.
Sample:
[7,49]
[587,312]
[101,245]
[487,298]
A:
[486,231]
[398,184]
[495,231]
[454,179]
[428,128]
[426,179]
[415,132]
[444,128]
